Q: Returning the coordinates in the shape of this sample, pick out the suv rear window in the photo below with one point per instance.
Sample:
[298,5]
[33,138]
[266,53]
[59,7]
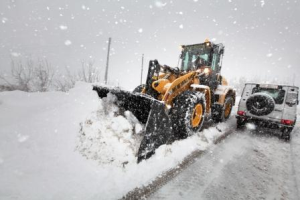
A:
[291,98]
[277,94]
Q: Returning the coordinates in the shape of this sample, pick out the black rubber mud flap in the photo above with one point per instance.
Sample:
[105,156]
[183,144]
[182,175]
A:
[138,104]
[158,131]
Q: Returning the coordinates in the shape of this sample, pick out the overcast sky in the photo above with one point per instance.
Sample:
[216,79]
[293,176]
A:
[261,37]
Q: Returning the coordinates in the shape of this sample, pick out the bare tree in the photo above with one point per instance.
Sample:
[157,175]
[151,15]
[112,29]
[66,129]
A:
[38,75]
[43,76]
[29,76]
[66,81]
[21,75]
[89,73]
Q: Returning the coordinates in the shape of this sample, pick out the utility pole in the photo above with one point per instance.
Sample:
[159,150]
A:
[293,79]
[107,61]
[142,69]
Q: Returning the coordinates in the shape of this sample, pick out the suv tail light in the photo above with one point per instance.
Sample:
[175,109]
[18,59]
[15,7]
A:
[241,113]
[287,122]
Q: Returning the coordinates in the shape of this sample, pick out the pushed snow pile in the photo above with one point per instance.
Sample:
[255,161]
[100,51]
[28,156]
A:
[110,135]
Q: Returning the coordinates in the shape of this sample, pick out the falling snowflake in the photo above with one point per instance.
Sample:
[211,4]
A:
[68,42]
[15,54]
[250,126]
[160,4]
[269,55]
[4,20]
[181,26]
[140,30]
[262,3]
[22,138]
[62,27]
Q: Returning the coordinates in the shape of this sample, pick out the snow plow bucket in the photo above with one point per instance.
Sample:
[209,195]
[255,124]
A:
[138,104]
[158,131]
[147,110]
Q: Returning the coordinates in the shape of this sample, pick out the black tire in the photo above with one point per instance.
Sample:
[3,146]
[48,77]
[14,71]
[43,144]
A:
[286,134]
[260,104]
[139,88]
[222,113]
[240,123]
[183,115]
[229,101]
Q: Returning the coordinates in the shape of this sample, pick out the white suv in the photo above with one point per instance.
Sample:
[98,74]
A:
[269,105]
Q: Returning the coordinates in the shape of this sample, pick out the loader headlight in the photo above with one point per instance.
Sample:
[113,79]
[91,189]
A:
[206,71]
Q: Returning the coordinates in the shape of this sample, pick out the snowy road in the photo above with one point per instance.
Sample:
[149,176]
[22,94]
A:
[245,166]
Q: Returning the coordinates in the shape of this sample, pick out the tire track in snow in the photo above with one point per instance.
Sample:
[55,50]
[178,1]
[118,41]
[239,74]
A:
[293,157]
[250,165]
[146,191]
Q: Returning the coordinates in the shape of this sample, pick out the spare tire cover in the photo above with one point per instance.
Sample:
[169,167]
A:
[260,104]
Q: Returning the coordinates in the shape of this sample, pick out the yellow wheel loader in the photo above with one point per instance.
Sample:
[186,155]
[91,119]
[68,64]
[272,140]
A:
[174,102]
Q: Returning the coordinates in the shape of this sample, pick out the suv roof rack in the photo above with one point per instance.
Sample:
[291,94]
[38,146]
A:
[282,85]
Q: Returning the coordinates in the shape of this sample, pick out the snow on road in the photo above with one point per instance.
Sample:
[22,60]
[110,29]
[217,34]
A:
[50,147]
[248,165]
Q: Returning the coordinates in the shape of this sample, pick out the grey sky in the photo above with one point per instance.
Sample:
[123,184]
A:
[261,37]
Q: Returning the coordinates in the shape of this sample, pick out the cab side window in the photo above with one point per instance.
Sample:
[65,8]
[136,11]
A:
[215,66]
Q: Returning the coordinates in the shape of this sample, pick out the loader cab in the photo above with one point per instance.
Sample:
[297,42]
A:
[205,54]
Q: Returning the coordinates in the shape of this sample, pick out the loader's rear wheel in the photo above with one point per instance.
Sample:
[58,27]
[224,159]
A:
[228,107]
[188,113]
[221,114]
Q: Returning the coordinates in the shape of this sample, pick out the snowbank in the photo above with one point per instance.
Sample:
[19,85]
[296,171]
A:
[108,136]
[75,146]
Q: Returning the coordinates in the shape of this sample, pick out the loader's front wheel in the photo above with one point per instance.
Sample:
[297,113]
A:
[188,113]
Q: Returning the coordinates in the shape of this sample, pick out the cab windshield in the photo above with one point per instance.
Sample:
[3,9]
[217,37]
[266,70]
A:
[190,54]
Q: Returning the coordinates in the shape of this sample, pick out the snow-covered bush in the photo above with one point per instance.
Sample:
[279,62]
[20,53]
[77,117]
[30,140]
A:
[39,76]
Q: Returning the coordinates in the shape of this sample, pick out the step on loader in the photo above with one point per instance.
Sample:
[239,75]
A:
[174,102]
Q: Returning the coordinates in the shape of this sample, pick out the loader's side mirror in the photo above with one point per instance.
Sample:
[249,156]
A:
[297,102]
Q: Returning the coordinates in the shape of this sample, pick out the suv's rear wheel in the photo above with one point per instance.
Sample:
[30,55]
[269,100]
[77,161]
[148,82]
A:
[240,122]
[286,133]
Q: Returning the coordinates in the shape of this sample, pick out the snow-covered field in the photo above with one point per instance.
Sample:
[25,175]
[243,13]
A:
[75,146]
